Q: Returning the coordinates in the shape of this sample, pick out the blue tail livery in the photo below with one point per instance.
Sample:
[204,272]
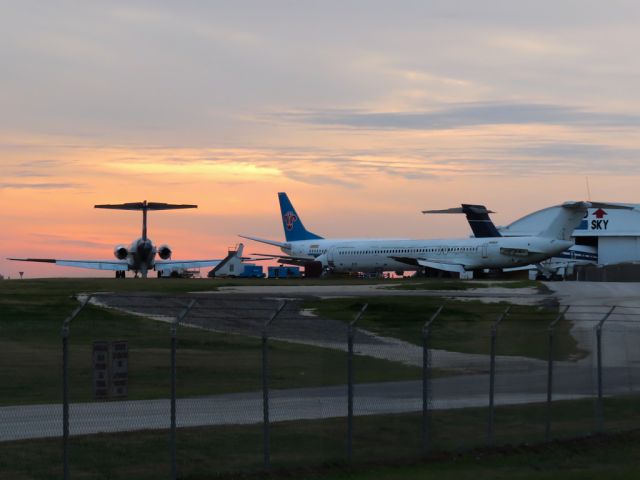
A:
[478,218]
[479,221]
[293,228]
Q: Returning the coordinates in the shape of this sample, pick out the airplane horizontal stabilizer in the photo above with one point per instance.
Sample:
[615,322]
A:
[268,242]
[145,206]
[477,209]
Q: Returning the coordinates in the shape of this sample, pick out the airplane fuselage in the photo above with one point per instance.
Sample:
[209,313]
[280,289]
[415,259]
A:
[141,256]
[374,255]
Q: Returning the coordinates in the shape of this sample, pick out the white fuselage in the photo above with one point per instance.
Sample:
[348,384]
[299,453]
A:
[375,255]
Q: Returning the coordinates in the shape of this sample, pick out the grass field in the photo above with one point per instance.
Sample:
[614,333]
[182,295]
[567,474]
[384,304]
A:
[463,326]
[32,312]
[208,363]
[317,449]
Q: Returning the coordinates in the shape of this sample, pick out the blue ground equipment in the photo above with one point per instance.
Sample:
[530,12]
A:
[284,272]
[252,271]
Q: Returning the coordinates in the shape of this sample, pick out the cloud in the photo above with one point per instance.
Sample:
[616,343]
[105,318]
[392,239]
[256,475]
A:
[585,151]
[38,186]
[468,115]
[59,239]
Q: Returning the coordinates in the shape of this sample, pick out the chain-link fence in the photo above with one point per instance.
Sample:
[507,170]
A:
[148,386]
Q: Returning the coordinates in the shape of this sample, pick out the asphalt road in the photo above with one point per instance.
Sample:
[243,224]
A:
[245,314]
[575,382]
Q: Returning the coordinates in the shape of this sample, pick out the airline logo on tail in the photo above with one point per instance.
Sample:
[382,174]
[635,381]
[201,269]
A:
[289,219]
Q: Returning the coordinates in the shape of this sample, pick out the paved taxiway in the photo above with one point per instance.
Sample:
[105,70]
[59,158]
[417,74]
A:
[41,421]
[244,314]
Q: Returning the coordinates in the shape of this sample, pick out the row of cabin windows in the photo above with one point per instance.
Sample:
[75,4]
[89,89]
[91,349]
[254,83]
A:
[410,250]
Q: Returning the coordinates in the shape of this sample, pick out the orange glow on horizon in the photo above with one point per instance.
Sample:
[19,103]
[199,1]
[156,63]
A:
[374,185]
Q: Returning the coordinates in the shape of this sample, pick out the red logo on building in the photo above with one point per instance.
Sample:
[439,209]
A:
[600,213]
[289,219]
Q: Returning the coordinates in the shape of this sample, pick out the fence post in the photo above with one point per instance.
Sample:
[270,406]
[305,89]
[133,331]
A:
[350,335]
[550,331]
[600,406]
[174,333]
[492,374]
[65,386]
[426,336]
[266,433]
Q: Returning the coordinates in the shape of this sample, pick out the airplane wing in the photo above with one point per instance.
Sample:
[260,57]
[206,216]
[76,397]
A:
[284,259]
[173,264]
[112,265]
[447,267]
[451,266]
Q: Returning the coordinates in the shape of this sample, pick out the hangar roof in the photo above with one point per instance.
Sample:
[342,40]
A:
[597,223]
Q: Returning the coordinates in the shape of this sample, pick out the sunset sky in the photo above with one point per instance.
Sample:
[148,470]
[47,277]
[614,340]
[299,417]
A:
[365,112]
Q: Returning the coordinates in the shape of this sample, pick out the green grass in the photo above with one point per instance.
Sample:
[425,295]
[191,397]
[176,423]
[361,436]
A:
[463,326]
[317,449]
[32,312]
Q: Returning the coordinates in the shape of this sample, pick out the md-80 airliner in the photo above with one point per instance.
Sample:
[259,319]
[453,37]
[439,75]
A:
[140,257]
[551,268]
[316,253]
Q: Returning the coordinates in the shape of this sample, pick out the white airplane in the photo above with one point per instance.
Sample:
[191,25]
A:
[452,255]
[140,257]
[551,268]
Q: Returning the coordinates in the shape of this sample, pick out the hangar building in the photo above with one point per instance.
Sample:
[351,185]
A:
[615,233]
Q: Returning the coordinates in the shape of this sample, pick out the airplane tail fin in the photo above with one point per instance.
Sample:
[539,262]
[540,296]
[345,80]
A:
[479,221]
[478,218]
[144,207]
[293,227]
[566,221]
[571,215]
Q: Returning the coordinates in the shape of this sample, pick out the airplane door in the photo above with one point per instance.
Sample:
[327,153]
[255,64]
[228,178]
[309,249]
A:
[484,249]
[330,255]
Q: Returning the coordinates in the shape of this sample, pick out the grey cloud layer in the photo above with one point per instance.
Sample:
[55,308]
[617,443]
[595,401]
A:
[214,74]
[459,116]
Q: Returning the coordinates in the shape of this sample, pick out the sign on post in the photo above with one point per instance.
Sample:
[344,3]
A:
[119,368]
[100,370]
[110,369]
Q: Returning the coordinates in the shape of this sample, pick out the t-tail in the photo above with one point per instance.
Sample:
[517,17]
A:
[571,215]
[145,207]
[293,227]
[478,218]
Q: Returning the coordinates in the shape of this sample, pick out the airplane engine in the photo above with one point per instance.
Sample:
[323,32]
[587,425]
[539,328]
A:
[313,269]
[164,252]
[324,263]
[322,260]
[120,252]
